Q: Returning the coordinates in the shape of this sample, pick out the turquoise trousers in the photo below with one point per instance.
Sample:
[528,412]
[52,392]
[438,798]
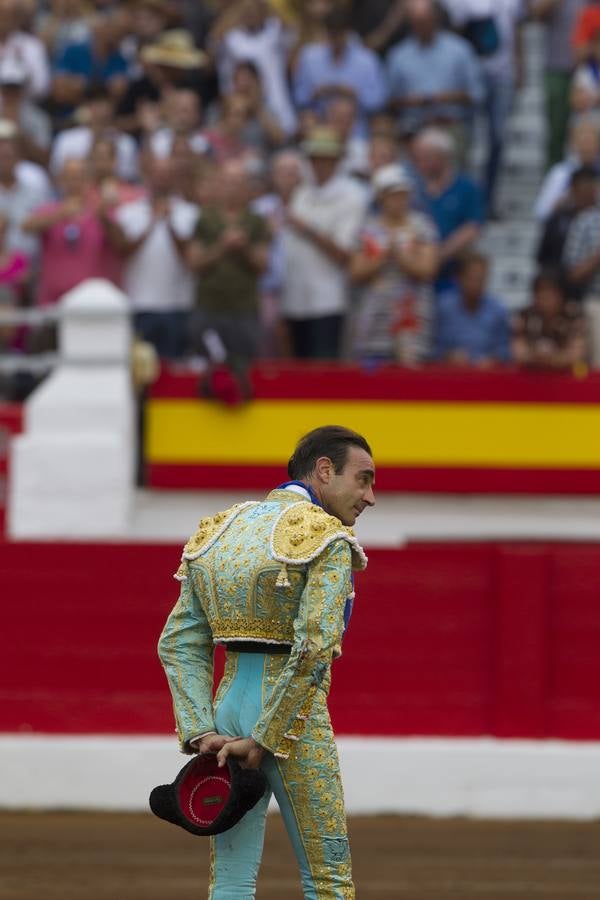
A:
[307,787]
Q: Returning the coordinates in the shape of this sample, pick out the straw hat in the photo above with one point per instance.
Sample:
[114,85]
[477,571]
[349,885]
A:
[323,141]
[174,48]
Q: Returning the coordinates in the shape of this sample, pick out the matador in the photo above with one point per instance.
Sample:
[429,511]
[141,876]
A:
[272,581]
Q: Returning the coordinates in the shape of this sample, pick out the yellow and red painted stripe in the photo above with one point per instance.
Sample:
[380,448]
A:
[434,430]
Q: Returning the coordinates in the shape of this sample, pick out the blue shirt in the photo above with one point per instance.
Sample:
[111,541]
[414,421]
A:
[447,64]
[460,203]
[358,68]
[483,332]
[79,59]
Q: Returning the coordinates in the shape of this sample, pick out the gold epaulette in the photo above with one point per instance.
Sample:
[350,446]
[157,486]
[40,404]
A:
[303,531]
[210,529]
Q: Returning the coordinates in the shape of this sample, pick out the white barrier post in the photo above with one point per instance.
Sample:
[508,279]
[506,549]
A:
[72,470]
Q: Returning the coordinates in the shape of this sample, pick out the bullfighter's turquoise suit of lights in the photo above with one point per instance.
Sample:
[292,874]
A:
[279,573]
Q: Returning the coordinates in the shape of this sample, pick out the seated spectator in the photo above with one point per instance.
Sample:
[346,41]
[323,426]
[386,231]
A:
[341,66]
[586,28]
[62,23]
[171,61]
[74,240]
[341,116]
[451,199]
[288,170]
[307,19]
[550,333]
[324,218]
[434,76]
[23,187]
[582,265]
[235,131]
[395,266]
[250,33]
[186,166]
[585,86]
[80,66]
[182,116]
[76,143]
[246,81]
[583,194]
[105,184]
[584,150]
[380,23]
[471,327]
[25,49]
[229,250]
[33,125]
[149,19]
[151,234]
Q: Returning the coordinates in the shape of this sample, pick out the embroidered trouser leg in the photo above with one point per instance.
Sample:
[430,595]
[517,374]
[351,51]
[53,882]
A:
[307,788]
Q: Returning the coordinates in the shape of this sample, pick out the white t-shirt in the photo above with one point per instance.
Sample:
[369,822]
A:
[155,277]
[76,143]
[27,51]
[268,49]
[161,143]
[314,284]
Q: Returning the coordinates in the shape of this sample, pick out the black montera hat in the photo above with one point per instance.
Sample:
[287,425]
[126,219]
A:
[205,799]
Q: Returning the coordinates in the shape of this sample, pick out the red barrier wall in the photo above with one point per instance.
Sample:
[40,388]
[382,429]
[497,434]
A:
[446,639]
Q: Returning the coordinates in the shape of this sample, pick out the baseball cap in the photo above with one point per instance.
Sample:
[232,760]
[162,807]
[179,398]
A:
[393,177]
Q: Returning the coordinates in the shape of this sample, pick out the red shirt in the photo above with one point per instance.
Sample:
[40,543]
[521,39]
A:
[587,25]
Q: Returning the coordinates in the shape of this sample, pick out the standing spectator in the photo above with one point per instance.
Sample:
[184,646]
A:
[31,122]
[76,143]
[582,263]
[151,233]
[287,173]
[254,35]
[585,86]
[502,71]
[229,251]
[451,199]
[434,75]
[25,49]
[550,333]
[395,264]
[14,278]
[22,189]
[472,328]
[342,65]
[322,227]
[559,17]
[182,116]
[97,60]
[583,194]
[584,150]
[75,245]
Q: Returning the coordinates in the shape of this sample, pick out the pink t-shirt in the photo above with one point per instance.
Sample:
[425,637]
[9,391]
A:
[73,250]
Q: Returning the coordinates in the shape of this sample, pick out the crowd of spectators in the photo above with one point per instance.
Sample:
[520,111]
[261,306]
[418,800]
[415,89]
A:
[293,178]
